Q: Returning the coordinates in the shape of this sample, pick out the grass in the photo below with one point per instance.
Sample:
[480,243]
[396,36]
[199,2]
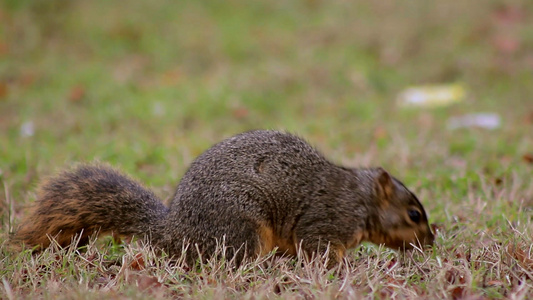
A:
[148,86]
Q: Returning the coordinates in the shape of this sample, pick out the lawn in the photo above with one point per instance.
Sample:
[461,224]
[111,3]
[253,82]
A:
[149,85]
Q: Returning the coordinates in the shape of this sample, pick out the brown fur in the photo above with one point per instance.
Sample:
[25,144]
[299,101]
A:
[257,191]
[270,241]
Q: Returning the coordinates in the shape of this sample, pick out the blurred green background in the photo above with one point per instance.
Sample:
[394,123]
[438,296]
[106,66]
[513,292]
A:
[149,85]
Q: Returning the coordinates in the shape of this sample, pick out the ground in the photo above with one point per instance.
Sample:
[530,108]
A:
[148,85]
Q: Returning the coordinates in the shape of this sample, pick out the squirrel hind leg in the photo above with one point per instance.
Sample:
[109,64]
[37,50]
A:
[267,240]
[239,242]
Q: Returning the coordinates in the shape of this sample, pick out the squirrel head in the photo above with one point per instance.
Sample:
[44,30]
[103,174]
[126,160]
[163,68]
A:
[400,220]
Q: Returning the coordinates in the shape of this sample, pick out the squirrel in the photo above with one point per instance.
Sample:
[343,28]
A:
[257,191]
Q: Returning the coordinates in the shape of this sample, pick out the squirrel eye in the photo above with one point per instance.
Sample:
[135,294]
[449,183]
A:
[414,215]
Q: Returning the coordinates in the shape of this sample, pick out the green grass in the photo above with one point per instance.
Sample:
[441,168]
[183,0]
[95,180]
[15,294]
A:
[148,86]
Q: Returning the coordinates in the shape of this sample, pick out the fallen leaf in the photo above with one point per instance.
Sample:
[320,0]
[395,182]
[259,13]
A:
[437,228]
[277,289]
[76,94]
[457,282]
[91,257]
[390,264]
[385,293]
[240,113]
[3,90]
[529,116]
[28,79]
[101,280]
[3,48]
[171,77]
[458,292]
[494,283]
[138,262]
[528,157]
[395,281]
[145,282]
[521,256]
[453,276]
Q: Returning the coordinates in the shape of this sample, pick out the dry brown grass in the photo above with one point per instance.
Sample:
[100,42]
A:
[486,266]
[150,85]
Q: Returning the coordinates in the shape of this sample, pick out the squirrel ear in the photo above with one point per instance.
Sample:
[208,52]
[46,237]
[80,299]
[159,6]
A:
[384,186]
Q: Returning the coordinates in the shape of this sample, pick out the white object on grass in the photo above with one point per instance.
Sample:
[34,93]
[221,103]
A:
[480,120]
[432,95]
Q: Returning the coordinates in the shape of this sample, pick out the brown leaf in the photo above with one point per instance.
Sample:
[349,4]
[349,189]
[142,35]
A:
[495,283]
[457,282]
[277,288]
[437,228]
[138,262]
[91,257]
[3,48]
[102,280]
[458,292]
[395,281]
[240,113]
[145,282]
[171,77]
[529,116]
[453,276]
[459,254]
[521,256]
[386,292]
[76,94]
[390,264]
[3,90]
[528,157]
[28,79]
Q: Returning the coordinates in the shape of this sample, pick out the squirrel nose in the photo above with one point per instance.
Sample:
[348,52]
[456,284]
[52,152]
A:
[432,233]
[429,240]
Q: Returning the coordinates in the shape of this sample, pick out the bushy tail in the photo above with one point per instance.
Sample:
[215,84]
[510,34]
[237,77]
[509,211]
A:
[91,199]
